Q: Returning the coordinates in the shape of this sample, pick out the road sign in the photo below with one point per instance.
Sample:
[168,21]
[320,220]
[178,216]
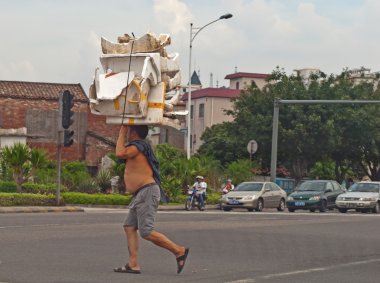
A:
[252,147]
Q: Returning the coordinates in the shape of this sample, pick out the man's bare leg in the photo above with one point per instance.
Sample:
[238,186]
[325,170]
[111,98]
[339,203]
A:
[133,247]
[162,241]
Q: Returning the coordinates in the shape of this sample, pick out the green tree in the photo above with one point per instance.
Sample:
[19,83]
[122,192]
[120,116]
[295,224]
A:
[345,134]
[23,161]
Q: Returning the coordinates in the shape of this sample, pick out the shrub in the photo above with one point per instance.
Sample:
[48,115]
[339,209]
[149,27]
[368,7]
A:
[103,180]
[81,198]
[15,199]
[7,187]
[76,177]
[41,188]
[87,185]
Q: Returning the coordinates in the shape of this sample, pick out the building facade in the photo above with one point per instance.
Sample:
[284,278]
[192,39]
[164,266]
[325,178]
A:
[29,114]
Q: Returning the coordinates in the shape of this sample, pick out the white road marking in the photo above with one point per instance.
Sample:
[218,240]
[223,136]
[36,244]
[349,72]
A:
[248,280]
[297,272]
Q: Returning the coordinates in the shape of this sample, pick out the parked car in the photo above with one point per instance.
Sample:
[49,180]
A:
[254,196]
[315,194]
[361,196]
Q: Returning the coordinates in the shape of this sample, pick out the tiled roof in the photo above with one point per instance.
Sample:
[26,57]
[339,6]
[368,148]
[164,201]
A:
[213,92]
[33,90]
[246,75]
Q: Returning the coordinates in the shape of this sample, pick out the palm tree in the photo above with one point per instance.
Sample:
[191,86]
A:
[23,161]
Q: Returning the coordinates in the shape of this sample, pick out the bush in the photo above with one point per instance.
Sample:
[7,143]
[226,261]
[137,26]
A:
[41,188]
[16,199]
[7,187]
[81,198]
[76,177]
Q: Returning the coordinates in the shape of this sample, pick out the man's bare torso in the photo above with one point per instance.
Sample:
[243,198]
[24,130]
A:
[137,173]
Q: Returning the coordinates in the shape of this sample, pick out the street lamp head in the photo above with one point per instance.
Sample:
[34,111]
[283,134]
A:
[226,16]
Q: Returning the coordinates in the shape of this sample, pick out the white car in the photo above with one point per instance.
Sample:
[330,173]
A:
[361,196]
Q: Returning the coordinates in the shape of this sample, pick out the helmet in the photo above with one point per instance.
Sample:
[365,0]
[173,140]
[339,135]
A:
[199,177]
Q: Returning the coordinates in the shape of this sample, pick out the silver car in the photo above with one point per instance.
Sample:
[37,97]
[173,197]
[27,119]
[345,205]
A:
[254,196]
[361,196]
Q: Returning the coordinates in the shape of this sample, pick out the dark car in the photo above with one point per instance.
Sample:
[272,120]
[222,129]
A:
[315,194]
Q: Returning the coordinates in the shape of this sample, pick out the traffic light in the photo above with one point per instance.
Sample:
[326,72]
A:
[67,105]
[68,138]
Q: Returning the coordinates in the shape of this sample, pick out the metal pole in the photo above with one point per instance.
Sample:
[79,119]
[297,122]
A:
[189,98]
[223,17]
[273,161]
[59,161]
[59,148]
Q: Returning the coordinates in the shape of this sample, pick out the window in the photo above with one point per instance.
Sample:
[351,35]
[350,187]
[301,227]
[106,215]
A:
[191,111]
[201,110]
[237,85]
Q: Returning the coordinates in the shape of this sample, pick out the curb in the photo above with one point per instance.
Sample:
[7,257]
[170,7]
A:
[78,208]
[39,209]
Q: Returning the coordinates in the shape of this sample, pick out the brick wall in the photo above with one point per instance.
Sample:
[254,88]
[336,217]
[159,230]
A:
[40,118]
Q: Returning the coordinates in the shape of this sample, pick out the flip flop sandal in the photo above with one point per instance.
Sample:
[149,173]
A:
[126,269]
[181,260]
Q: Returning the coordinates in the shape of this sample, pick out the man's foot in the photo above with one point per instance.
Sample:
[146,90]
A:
[181,260]
[127,269]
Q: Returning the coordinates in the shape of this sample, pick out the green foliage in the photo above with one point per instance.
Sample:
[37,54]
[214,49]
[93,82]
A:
[323,170]
[118,168]
[76,178]
[23,161]
[109,199]
[177,171]
[103,180]
[34,188]
[346,134]
[7,187]
[16,199]
[46,174]
[241,170]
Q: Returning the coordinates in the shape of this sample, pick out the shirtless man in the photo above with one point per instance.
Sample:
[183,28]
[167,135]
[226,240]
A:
[141,176]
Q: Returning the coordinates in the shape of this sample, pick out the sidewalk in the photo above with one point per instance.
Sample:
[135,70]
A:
[35,209]
[81,208]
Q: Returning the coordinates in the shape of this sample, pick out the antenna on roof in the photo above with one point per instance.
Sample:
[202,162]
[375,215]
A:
[211,80]
[235,69]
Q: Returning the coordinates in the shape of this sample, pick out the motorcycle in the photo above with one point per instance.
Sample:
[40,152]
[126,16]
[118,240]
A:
[192,200]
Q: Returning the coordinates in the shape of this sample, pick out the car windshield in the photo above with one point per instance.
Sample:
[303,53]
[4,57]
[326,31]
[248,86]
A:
[364,187]
[249,187]
[312,186]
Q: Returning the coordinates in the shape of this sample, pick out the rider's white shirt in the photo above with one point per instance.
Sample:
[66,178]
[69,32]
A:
[200,186]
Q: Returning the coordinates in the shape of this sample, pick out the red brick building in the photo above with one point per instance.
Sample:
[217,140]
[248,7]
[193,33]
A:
[34,107]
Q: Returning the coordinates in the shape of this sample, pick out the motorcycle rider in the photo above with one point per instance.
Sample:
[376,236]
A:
[200,185]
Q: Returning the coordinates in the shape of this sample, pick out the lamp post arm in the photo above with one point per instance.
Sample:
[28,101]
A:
[199,29]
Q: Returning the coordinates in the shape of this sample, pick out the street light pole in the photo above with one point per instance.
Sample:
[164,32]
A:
[192,37]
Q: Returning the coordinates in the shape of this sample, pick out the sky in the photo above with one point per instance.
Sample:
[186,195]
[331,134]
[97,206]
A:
[59,41]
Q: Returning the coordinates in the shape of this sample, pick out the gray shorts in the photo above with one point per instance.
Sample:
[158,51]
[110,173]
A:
[143,209]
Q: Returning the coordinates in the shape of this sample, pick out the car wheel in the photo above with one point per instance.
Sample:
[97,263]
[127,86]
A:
[291,209]
[312,210]
[376,208]
[342,210]
[260,205]
[281,206]
[323,207]
[250,209]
